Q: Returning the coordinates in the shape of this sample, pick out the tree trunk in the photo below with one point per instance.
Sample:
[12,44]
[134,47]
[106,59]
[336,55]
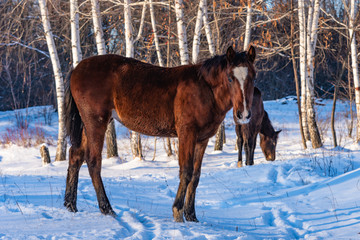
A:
[156,38]
[332,122]
[75,36]
[219,138]
[59,83]
[354,65]
[135,139]
[302,50]
[197,32]
[296,77]
[208,30]
[181,30]
[313,20]
[110,135]
[45,155]
[351,125]
[168,149]
[248,25]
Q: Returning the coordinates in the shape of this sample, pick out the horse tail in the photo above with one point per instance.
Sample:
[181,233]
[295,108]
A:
[73,122]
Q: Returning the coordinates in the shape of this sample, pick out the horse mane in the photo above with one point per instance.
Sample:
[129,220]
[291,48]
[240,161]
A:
[211,67]
[266,127]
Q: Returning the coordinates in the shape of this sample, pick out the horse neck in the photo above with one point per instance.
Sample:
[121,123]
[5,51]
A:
[266,127]
[222,96]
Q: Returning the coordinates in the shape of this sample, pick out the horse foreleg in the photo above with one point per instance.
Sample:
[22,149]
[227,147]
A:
[189,210]
[76,159]
[239,142]
[187,141]
[249,145]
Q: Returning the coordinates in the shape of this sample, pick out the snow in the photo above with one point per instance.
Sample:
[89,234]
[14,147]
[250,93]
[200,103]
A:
[304,194]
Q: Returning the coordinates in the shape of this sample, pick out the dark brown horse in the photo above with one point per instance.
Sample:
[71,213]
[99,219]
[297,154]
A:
[259,123]
[188,102]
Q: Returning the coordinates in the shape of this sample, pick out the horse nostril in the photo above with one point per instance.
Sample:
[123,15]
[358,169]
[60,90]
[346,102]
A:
[249,115]
[239,115]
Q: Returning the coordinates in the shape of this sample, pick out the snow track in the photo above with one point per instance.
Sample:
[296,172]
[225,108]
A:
[312,194]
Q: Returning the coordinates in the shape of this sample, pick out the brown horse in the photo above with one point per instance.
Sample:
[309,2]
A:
[247,133]
[188,102]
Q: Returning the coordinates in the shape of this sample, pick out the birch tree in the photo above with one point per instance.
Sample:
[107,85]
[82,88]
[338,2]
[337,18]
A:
[156,38]
[248,25]
[308,39]
[302,50]
[75,36]
[59,82]
[110,134]
[181,31]
[135,139]
[312,31]
[354,63]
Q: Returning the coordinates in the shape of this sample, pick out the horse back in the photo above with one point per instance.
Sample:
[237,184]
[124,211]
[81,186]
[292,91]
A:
[147,98]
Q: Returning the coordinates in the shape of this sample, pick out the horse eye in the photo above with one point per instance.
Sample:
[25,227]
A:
[229,78]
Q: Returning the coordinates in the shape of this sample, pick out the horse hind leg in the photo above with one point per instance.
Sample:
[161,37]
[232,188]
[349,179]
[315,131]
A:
[95,131]
[76,159]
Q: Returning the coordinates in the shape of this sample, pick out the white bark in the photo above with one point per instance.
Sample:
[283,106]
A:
[135,139]
[181,30]
[354,64]
[312,30]
[303,73]
[99,35]
[128,30]
[208,30]
[59,83]
[141,27]
[110,135]
[156,38]
[75,36]
[248,25]
[197,32]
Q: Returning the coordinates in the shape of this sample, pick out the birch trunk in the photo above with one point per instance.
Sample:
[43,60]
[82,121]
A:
[313,20]
[208,30]
[156,38]
[135,139]
[75,36]
[197,32]
[302,50]
[181,30]
[248,25]
[59,83]
[354,65]
[296,80]
[110,135]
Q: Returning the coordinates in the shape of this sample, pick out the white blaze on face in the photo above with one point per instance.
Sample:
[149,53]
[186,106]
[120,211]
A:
[240,73]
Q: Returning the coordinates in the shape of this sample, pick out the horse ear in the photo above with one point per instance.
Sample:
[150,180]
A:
[277,132]
[230,54]
[251,54]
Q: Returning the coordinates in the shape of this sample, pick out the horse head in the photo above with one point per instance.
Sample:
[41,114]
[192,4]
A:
[241,74]
[268,145]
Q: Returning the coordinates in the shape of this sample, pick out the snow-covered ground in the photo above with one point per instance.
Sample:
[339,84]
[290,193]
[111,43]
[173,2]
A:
[304,194]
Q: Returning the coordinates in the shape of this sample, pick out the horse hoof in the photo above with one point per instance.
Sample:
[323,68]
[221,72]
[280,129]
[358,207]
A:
[70,207]
[239,164]
[108,212]
[191,218]
[178,215]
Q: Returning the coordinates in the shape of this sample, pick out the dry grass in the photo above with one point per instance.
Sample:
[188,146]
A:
[26,137]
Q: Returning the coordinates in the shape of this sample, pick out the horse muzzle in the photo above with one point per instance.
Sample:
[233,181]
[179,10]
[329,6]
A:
[242,117]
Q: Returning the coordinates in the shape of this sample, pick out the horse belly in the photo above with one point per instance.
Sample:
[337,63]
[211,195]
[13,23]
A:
[148,122]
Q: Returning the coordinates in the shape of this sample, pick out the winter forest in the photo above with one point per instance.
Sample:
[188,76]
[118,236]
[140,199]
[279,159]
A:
[307,69]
